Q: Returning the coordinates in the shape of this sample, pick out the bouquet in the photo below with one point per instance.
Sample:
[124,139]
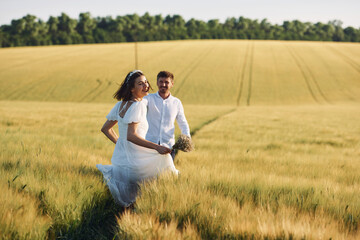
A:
[184,144]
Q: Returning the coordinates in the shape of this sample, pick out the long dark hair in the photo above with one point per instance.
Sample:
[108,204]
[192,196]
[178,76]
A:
[124,92]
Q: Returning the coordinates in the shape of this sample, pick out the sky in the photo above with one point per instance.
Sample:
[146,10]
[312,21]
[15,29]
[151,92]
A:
[275,11]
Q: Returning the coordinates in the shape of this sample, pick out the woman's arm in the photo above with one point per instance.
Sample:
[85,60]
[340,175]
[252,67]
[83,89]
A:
[108,131]
[133,137]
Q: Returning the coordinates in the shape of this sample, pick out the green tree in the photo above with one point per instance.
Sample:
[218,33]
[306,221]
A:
[230,27]
[160,33]
[351,34]
[85,27]
[278,32]
[215,29]
[175,26]
[30,31]
[66,30]
[132,27]
[289,30]
[149,29]
[16,31]
[53,29]
[243,28]
[192,29]
[329,31]
[339,33]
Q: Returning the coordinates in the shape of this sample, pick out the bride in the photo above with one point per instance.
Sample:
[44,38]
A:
[134,159]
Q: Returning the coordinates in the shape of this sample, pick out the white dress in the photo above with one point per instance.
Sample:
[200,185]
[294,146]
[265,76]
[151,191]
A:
[131,163]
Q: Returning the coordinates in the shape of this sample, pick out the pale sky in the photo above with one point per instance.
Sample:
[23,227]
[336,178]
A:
[275,11]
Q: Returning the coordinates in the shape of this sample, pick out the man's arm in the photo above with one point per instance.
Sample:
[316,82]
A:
[181,120]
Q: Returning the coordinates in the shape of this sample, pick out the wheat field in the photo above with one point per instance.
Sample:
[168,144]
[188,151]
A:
[275,125]
[223,72]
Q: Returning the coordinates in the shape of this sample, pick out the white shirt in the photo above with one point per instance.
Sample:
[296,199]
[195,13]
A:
[161,117]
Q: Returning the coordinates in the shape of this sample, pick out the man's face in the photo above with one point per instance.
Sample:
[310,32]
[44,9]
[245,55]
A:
[165,84]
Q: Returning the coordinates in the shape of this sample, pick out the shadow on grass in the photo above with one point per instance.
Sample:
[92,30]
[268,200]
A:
[98,219]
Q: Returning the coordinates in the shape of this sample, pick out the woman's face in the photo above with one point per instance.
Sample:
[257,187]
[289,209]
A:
[141,88]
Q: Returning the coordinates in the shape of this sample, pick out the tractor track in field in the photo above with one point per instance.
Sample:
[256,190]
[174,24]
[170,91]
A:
[303,74]
[193,132]
[107,86]
[308,77]
[250,74]
[193,65]
[93,90]
[29,86]
[26,88]
[156,55]
[347,59]
[42,59]
[242,77]
[247,65]
[341,87]
[96,91]
[275,80]
[50,93]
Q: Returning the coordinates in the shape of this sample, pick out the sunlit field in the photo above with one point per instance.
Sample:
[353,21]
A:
[275,126]
[223,72]
[48,156]
[263,172]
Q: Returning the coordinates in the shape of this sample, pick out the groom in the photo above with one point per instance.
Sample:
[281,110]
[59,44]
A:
[163,109]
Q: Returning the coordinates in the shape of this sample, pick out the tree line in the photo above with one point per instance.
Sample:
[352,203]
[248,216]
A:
[31,31]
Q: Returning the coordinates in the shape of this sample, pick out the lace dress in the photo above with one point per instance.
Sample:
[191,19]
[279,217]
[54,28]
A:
[131,163]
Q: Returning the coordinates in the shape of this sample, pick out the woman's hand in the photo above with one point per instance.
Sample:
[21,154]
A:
[163,150]
[133,137]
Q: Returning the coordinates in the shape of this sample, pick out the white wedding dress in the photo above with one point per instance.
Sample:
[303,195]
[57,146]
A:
[131,163]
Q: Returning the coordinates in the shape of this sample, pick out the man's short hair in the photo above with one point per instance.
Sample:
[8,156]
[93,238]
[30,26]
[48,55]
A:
[165,74]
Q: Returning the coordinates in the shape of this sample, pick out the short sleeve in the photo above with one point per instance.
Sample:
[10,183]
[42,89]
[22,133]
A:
[114,113]
[145,100]
[135,113]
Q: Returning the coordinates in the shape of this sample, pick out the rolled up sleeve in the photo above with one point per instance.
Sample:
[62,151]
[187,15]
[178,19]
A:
[181,120]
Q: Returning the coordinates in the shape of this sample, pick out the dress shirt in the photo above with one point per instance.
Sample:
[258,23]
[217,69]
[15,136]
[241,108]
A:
[161,117]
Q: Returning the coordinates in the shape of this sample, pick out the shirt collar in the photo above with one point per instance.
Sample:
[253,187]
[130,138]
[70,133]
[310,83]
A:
[158,95]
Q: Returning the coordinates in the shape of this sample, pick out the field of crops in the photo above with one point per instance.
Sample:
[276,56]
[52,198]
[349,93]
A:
[238,73]
[275,126]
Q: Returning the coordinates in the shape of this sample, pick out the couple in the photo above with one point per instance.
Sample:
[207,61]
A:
[146,134]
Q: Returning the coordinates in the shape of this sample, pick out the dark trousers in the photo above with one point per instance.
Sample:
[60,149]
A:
[173,154]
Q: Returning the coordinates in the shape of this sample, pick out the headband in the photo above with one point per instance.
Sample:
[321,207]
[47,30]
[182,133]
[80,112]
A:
[132,73]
